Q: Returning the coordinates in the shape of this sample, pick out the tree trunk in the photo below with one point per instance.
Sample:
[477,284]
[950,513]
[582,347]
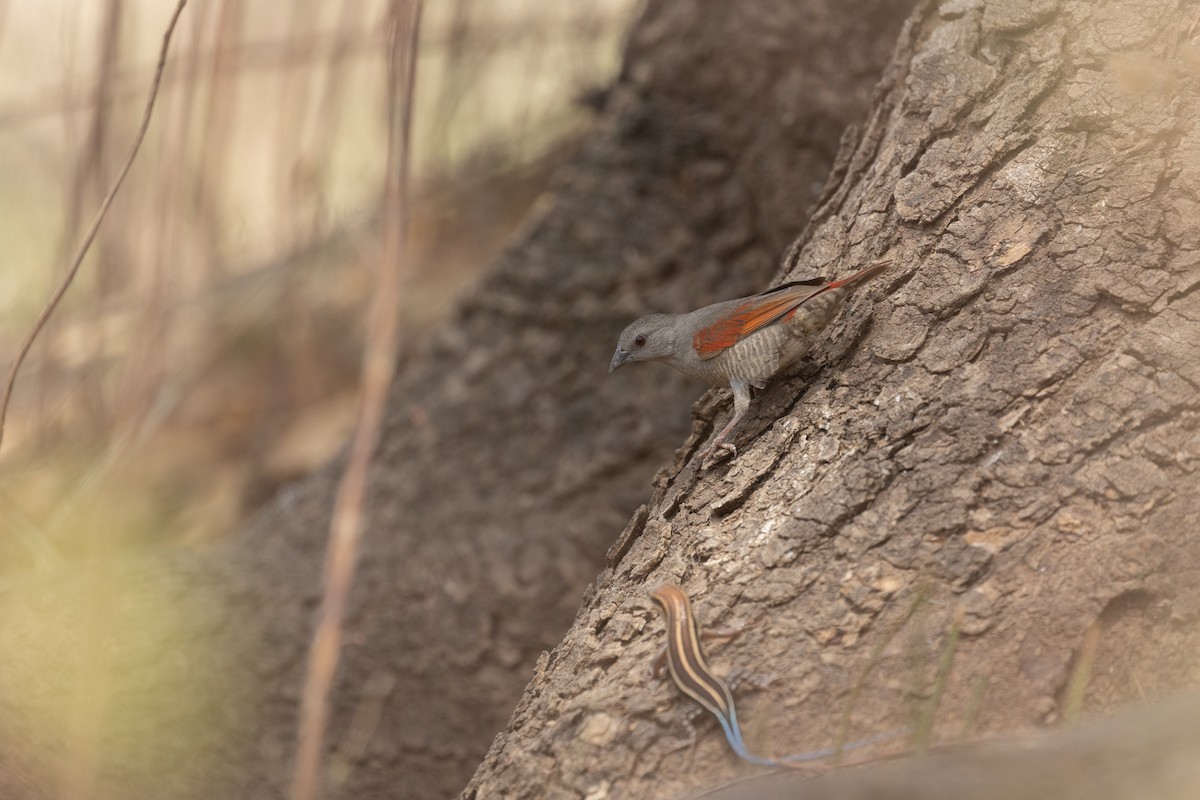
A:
[982,488]
[1139,754]
[510,462]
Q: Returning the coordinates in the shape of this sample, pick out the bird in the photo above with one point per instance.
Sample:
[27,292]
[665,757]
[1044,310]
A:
[741,344]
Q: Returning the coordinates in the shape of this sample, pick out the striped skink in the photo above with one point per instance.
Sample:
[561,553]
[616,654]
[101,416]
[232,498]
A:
[689,669]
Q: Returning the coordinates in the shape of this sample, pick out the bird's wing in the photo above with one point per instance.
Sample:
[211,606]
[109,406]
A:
[753,314]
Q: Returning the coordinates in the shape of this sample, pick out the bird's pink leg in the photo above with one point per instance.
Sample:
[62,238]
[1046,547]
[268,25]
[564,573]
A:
[741,404]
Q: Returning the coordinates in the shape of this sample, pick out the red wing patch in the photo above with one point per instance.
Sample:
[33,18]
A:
[770,306]
[716,337]
[754,314]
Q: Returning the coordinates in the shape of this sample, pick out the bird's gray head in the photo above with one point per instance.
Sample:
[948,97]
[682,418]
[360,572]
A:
[651,338]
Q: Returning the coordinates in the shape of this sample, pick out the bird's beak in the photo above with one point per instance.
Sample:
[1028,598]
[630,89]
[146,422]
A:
[619,358]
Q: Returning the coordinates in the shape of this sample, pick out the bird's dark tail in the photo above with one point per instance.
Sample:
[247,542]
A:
[859,278]
[813,313]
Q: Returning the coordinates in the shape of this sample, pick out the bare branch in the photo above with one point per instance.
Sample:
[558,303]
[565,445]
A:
[379,360]
[90,236]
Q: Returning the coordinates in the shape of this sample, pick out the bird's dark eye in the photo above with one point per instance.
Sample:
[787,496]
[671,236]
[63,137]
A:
[640,341]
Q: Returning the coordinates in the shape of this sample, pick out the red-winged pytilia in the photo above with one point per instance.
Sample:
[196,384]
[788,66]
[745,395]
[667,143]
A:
[741,343]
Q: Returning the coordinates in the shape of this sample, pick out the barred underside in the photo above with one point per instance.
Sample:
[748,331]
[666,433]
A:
[762,355]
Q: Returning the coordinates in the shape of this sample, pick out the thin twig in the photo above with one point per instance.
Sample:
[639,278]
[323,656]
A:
[379,360]
[974,705]
[89,700]
[86,244]
[924,729]
[919,600]
[1082,674]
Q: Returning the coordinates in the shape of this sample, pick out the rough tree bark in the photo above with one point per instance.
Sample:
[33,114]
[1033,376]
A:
[1137,754]
[510,462]
[1005,427]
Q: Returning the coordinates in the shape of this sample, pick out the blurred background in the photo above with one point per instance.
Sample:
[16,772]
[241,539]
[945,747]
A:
[209,349]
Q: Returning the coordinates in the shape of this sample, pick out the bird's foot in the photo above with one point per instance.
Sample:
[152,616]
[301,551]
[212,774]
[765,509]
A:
[712,453]
[721,443]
